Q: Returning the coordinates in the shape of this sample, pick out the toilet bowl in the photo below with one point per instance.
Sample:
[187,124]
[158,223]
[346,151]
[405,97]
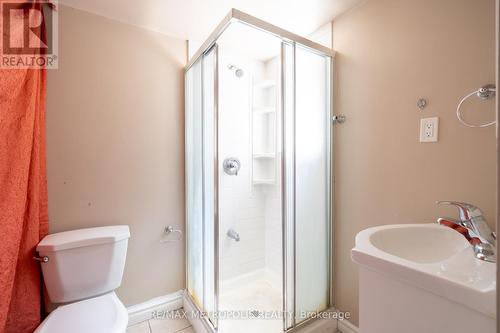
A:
[81,269]
[102,314]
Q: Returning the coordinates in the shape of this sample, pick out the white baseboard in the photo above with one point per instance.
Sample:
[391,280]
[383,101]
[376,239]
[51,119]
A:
[144,311]
[345,326]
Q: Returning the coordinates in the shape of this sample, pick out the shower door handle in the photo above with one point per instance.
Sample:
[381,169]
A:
[231,233]
[231,166]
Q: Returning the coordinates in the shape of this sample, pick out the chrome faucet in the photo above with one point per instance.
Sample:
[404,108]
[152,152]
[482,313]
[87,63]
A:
[472,219]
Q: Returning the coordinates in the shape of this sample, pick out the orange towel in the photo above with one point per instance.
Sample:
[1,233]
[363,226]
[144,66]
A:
[23,196]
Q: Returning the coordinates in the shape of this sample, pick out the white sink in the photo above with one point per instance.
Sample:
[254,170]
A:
[400,264]
[419,243]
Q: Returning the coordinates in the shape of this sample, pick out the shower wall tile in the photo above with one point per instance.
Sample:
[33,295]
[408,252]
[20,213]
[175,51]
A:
[253,211]
[242,207]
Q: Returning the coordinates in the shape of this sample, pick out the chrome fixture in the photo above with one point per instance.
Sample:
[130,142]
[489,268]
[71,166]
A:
[422,103]
[472,219]
[231,166]
[42,260]
[169,230]
[231,233]
[338,119]
[237,71]
[486,92]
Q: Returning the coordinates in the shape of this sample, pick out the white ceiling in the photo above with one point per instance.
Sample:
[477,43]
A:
[195,19]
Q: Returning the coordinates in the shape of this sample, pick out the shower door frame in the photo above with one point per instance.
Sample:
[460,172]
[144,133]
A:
[239,16]
[290,39]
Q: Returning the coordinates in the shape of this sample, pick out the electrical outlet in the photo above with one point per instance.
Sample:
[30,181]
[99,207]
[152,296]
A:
[429,128]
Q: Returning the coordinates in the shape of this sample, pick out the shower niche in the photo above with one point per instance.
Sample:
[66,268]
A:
[258,240]
[264,131]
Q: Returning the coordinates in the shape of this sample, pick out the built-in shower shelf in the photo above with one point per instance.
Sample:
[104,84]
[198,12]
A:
[264,110]
[264,133]
[263,181]
[265,84]
[264,156]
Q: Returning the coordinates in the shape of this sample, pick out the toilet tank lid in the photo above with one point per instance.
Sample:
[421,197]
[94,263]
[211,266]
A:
[83,237]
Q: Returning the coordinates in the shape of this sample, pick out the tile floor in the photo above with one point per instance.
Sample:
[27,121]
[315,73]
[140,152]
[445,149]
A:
[166,325]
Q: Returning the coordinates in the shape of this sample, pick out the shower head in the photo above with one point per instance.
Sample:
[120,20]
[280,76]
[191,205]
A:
[237,71]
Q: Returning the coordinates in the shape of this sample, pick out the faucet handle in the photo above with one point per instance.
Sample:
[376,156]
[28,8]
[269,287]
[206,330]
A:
[469,234]
[466,210]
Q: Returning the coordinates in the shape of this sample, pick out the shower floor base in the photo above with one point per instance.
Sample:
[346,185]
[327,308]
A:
[252,303]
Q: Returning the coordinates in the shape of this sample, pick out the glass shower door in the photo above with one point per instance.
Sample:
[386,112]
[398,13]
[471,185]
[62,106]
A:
[312,183]
[250,201]
[307,182]
[200,183]
[194,183]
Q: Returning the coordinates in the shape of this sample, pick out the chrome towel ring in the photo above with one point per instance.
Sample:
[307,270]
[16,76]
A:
[483,93]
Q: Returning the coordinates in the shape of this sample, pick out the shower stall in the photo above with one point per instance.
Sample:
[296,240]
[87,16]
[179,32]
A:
[258,178]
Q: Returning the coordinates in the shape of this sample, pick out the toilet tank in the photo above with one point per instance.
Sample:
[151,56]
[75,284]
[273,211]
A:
[83,263]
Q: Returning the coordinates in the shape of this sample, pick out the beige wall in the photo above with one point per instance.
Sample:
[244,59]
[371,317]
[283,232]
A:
[391,53]
[115,143]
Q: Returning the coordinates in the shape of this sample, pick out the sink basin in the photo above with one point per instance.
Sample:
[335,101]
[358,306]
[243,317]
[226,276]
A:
[419,243]
[400,264]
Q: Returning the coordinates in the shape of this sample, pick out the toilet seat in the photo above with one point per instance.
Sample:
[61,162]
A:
[102,314]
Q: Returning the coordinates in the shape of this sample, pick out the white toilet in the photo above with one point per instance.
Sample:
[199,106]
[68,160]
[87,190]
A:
[84,267]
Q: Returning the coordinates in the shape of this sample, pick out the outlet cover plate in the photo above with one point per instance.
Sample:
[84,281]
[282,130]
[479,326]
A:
[429,128]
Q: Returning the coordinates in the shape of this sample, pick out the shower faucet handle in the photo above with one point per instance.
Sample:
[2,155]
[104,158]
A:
[231,166]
